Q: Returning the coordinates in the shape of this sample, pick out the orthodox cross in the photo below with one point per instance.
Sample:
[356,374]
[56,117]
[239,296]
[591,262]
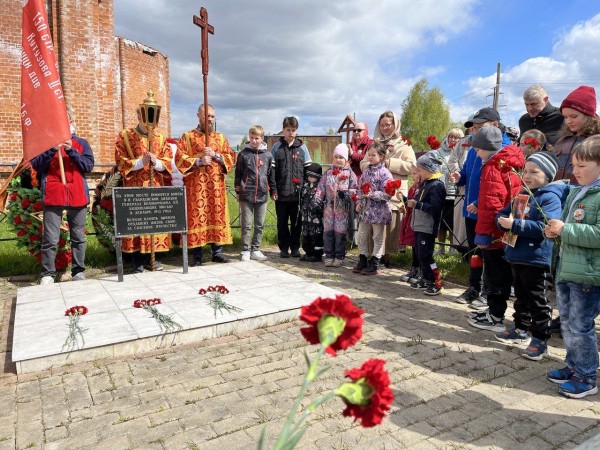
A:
[206,28]
[347,125]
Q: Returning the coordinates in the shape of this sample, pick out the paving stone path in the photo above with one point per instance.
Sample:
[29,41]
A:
[456,387]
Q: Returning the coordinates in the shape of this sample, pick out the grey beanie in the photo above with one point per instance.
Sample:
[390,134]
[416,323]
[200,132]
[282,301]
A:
[430,162]
[547,162]
[488,138]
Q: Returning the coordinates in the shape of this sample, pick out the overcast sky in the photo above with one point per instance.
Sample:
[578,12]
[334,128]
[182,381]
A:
[320,60]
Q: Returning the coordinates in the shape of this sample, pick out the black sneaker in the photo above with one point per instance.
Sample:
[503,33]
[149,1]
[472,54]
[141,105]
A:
[410,274]
[157,266]
[296,253]
[284,254]
[138,269]
[419,285]
[220,258]
[468,296]
[432,289]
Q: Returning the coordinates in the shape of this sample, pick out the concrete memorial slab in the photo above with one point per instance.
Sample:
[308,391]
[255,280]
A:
[113,327]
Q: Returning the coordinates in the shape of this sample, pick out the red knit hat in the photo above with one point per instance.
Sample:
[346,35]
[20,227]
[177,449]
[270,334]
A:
[583,99]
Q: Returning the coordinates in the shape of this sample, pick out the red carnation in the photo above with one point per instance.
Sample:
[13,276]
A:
[354,198]
[377,381]
[433,143]
[339,307]
[531,142]
[335,171]
[34,238]
[407,140]
[62,242]
[13,197]
[365,188]
[38,256]
[38,206]
[17,220]
[63,259]
[296,180]
[202,291]
[107,204]
[21,233]
[343,177]
[465,144]
[25,203]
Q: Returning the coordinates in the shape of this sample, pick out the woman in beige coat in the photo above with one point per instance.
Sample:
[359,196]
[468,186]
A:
[399,159]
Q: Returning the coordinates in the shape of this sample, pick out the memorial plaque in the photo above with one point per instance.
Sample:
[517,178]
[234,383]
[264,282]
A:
[149,210]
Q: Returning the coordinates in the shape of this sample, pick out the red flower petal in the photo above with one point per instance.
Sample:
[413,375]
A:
[340,306]
[378,378]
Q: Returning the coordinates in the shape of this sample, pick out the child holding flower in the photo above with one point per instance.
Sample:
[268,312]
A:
[407,234]
[374,209]
[499,185]
[531,255]
[336,188]
[427,213]
[578,274]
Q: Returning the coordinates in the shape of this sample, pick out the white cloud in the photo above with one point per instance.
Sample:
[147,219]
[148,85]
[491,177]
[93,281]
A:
[574,61]
[313,59]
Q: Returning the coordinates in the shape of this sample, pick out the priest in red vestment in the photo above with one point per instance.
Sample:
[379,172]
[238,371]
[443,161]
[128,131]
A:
[133,162]
[205,168]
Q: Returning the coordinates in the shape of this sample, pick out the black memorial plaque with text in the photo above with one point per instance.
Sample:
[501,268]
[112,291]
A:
[149,210]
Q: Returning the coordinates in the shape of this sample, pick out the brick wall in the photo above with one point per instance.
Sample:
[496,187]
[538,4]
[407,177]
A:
[104,78]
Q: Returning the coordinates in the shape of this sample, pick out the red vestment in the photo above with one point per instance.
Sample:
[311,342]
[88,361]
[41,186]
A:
[131,146]
[207,210]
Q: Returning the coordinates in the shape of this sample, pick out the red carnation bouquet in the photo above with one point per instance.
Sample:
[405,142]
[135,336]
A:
[407,140]
[74,314]
[433,142]
[215,294]
[165,321]
[336,324]
[391,186]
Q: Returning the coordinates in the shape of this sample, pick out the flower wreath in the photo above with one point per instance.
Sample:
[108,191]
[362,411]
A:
[25,214]
[102,208]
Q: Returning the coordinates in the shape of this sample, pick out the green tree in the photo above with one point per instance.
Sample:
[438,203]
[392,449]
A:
[424,112]
[243,143]
[331,131]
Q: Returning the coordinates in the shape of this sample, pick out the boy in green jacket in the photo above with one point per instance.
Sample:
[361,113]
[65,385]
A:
[578,275]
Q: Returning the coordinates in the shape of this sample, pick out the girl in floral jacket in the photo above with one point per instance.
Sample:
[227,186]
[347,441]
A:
[373,206]
[336,188]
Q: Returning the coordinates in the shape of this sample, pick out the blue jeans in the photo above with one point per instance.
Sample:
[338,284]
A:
[579,306]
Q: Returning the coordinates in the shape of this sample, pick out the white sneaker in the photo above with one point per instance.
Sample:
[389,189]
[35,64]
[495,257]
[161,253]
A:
[245,256]
[78,277]
[47,280]
[258,256]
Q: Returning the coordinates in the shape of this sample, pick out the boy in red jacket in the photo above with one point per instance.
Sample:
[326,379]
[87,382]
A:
[498,186]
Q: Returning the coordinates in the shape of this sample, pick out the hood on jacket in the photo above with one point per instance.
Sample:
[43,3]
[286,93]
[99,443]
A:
[560,188]
[261,148]
[508,158]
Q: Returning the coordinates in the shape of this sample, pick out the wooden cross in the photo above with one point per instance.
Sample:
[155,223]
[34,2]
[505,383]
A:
[206,28]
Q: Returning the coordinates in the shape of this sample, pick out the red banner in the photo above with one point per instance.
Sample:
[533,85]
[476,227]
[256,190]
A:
[44,120]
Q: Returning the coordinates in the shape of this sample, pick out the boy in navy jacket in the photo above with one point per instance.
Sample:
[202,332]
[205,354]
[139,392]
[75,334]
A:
[531,255]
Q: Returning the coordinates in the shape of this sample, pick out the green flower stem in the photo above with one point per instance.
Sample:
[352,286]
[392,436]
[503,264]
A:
[311,408]
[287,432]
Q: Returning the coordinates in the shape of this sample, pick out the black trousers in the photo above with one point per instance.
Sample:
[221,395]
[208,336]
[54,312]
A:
[313,245]
[289,225]
[424,244]
[415,257]
[532,308]
[475,273]
[498,274]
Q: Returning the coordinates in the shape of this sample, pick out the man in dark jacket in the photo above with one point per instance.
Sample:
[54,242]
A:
[541,115]
[72,196]
[290,159]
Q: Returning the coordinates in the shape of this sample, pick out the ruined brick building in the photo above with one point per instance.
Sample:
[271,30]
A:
[104,77]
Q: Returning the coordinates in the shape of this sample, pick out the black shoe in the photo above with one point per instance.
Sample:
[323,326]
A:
[372,268]
[432,289]
[384,261]
[303,258]
[410,274]
[468,296]
[296,253]
[284,254]
[362,264]
[311,259]
[419,285]
[220,258]
[194,262]
[138,269]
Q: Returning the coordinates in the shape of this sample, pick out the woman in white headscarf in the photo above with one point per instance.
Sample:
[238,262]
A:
[399,160]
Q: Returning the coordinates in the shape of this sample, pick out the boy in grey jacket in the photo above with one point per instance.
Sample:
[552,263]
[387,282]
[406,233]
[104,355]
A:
[254,178]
